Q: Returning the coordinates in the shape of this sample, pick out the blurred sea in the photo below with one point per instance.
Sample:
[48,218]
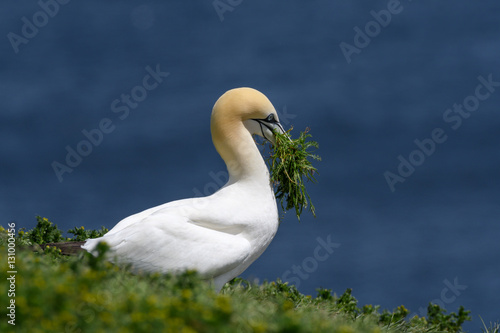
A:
[435,238]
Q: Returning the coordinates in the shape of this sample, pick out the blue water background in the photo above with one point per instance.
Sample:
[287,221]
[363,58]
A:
[441,224]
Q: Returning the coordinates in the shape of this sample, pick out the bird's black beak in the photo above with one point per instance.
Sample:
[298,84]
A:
[268,126]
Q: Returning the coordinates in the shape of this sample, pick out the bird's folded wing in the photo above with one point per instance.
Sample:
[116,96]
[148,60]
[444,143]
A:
[170,243]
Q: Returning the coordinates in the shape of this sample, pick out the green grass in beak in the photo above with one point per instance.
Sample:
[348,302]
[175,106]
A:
[290,166]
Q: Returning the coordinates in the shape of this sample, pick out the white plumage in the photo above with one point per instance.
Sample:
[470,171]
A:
[219,235]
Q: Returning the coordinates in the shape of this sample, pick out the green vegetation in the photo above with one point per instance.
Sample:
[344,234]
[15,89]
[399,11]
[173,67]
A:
[80,234]
[494,327]
[289,164]
[55,293]
[46,232]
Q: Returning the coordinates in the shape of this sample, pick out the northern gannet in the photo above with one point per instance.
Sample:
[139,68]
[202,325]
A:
[219,235]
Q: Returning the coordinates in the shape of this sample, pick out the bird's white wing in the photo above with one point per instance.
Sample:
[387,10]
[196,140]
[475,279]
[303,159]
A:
[165,242]
[139,217]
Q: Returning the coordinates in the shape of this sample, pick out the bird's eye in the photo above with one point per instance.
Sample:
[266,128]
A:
[270,118]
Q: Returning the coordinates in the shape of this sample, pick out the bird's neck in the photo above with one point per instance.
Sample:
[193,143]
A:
[243,160]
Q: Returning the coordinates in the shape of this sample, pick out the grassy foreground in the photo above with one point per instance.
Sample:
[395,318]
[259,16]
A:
[54,293]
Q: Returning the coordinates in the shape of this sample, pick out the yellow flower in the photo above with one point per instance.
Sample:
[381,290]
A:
[288,305]
[106,317]
[40,283]
[151,300]
[346,329]
[137,317]
[21,301]
[223,304]
[186,293]
[48,324]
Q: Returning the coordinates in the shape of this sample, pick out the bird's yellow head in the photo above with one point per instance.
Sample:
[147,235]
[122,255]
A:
[245,106]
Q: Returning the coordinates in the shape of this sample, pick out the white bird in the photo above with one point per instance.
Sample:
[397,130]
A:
[219,235]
